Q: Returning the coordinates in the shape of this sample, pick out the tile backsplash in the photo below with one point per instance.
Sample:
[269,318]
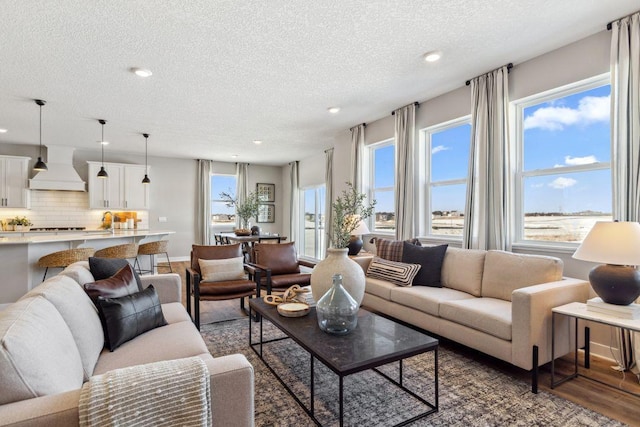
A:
[64,209]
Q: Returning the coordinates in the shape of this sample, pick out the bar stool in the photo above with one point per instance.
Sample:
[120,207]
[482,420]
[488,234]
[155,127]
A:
[126,251]
[151,249]
[62,259]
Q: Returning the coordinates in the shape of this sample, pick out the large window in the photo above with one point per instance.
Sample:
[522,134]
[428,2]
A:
[382,185]
[447,166]
[313,221]
[564,162]
[221,214]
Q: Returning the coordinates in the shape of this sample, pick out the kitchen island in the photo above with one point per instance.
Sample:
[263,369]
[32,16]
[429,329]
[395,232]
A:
[20,252]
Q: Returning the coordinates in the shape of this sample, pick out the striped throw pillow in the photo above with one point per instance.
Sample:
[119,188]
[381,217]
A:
[398,273]
[392,249]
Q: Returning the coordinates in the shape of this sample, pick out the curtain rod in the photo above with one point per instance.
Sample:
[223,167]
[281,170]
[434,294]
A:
[509,67]
[363,124]
[610,24]
[417,104]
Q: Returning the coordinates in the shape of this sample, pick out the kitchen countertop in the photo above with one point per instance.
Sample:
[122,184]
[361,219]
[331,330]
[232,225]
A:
[31,237]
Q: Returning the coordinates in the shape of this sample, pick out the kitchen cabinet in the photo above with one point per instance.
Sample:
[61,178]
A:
[123,189]
[14,176]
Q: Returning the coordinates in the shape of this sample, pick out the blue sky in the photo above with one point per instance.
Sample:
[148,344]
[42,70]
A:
[219,183]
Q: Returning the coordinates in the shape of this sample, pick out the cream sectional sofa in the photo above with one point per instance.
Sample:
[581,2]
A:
[51,341]
[496,302]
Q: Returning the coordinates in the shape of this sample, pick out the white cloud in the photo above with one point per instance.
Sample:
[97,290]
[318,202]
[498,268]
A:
[574,161]
[439,148]
[590,109]
[562,182]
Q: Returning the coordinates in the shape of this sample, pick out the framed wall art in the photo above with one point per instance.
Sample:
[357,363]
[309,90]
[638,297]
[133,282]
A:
[266,192]
[266,213]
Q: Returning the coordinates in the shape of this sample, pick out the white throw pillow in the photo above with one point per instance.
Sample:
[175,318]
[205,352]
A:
[220,270]
[398,273]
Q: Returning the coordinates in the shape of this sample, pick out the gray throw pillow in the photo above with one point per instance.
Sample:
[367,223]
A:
[430,258]
[103,268]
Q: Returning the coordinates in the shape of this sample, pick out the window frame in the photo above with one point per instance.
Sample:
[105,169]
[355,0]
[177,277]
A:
[320,233]
[426,183]
[517,108]
[212,200]
[370,181]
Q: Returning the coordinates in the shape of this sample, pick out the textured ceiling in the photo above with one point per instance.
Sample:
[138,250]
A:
[228,72]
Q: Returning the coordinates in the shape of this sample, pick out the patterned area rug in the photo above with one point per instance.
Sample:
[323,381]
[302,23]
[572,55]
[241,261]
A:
[471,393]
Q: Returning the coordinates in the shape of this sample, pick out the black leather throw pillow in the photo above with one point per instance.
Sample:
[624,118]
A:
[430,258]
[103,268]
[125,318]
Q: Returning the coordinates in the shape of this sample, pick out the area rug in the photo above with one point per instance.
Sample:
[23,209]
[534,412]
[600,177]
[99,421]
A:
[471,393]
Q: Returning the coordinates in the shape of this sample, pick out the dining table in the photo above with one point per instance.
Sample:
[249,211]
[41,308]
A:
[253,238]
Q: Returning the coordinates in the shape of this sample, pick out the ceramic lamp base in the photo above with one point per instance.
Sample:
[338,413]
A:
[355,245]
[615,284]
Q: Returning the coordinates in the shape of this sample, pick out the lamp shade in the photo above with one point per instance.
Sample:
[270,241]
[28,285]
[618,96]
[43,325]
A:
[360,229]
[616,243]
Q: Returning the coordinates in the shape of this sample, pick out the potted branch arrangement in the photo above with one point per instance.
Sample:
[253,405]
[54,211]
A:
[348,210]
[20,224]
[245,209]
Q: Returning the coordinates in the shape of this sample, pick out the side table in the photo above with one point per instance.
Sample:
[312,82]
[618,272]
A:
[578,311]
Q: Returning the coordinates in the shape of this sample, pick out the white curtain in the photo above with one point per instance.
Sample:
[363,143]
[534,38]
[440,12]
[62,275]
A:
[406,226]
[242,185]
[203,202]
[294,209]
[357,152]
[487,223]
[625,140]
[328,214]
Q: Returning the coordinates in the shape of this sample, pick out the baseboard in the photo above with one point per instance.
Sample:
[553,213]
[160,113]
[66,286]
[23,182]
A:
[179,258]
[604,351]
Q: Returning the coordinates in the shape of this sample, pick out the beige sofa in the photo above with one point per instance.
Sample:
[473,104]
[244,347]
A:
[496,302]
[51,342]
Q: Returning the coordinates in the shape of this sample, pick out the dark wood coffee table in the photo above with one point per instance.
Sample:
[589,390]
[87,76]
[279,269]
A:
[379,341]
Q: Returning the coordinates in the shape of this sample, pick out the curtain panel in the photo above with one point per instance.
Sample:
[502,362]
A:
[294,208]
[357,153]
[203,202]
[405,128]
[328,179]
[487,224]
[242,185]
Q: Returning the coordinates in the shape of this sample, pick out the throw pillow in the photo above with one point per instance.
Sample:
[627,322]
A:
[125,318]
[398,273]
[392,249]
[119,285]
[219,270]
[430,258]
[103,268]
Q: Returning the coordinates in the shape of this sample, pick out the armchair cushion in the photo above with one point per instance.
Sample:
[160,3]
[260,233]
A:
[218,270]
[199,252]
[280,258]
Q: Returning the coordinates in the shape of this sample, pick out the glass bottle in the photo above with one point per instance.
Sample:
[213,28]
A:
[337,311]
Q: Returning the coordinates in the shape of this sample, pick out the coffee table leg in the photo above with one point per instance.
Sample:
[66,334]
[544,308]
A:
[341,402]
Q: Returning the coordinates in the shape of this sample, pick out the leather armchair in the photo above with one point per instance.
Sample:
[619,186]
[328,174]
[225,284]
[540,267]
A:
[219,290]
[279,267]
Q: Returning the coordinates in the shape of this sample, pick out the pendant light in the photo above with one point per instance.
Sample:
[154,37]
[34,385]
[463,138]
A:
[146,179]
[40,165]
[103,173]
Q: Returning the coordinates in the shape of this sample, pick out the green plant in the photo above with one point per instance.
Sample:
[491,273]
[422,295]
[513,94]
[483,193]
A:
[348,209]
[245,209]
[20,221]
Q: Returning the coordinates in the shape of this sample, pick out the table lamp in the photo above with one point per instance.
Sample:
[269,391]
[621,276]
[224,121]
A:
[355,241]
[617,245]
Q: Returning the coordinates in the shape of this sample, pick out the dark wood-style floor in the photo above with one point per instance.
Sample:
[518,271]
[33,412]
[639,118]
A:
[606,400]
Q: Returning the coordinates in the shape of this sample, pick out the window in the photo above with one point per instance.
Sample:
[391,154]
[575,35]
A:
[221,214]
[564,162]
[382,160]
[313,209]
[447,163]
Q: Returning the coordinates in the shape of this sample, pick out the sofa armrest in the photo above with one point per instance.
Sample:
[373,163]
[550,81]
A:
[531,319]
[232,399]
[168,286]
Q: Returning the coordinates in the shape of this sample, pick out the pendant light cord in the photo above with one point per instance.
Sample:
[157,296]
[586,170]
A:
[40,130]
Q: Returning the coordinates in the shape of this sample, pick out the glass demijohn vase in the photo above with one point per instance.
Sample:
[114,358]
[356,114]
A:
[337,311]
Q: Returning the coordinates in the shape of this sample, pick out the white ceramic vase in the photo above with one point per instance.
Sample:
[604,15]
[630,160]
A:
[337,261]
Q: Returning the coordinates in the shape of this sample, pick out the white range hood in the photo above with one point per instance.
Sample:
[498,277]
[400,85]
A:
[60,174]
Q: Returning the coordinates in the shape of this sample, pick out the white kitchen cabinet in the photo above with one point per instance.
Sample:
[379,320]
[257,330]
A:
[14,176]
[123,189]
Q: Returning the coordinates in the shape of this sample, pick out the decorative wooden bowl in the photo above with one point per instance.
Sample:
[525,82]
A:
[242,232]
[293,309]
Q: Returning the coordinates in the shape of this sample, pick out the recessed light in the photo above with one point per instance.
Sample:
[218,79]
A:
[103,142]
[432,56]
[334,110]
[141,72]
[234,156]
[3,130]
[257,141]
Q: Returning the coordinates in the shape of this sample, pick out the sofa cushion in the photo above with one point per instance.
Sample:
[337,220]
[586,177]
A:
[398,273]
[79,272]
[126,317]
[430,259]
[174,312]
[462,270]
[392,249]
[218,270]
[121,284]
[38,355]
[426,299]
[489,315]
[504,272]
[173,341]
[103,268]
[281,258]
[80,315]
[378,287]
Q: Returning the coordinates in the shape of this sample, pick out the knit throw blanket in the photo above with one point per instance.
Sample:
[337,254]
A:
[167,393]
